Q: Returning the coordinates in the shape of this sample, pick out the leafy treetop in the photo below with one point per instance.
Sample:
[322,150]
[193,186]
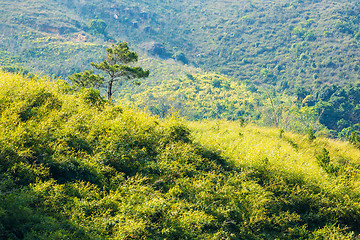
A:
[116,65]
[98,26]
[87,79]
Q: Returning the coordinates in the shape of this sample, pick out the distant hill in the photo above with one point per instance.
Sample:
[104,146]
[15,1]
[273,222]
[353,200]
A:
[283,43]
[292,52]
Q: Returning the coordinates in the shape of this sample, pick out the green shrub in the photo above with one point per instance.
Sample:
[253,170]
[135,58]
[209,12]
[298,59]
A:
[311,135]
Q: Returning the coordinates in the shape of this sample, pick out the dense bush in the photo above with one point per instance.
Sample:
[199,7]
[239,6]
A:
[73,166]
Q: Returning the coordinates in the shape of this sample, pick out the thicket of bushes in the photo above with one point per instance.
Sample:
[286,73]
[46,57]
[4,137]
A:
[73,166]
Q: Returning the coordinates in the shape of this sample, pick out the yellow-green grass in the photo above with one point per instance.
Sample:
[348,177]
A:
[287,153]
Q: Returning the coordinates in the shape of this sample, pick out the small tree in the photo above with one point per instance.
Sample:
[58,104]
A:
[354,138]
[98,26]
[311,134]
[323,158]
[116,65]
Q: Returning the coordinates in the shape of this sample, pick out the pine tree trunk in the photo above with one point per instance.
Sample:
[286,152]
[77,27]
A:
[110,89]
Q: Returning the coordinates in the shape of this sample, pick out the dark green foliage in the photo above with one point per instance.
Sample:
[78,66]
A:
[180,56]
[338,108]
[311,135]
[323,159]
[216,83]
[92,97]
[179,133]
[354,138]
[281,133]
[37,100]
[301,93]
[86,79]
[15,69]
[98,26]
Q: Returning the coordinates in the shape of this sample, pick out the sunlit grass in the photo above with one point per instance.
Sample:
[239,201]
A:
[290,154]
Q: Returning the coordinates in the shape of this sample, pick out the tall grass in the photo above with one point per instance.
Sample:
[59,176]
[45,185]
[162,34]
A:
[286,154]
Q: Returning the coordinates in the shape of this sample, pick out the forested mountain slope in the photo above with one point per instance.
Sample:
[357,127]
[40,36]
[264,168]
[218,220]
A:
[278,42]
[73,166]
[299,60]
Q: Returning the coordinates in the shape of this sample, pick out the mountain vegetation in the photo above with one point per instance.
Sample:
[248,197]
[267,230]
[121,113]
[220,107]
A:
[74,166]
[237,133]
[290,53]
[265,41]
[330,111]
[213,96]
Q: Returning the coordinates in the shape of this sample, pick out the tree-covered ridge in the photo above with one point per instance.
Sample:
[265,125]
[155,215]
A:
[285,49]
[74,166]
[264,41]
[283,43]
[45,37]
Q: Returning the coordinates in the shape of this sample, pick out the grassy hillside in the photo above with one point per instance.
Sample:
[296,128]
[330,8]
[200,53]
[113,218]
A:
[331,110]
[73,166]
[214,96]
